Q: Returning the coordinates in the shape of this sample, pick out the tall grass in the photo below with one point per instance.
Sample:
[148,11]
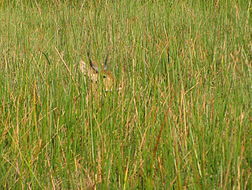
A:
[182,119]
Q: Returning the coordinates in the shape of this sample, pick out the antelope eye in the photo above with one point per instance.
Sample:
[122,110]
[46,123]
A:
[104,76]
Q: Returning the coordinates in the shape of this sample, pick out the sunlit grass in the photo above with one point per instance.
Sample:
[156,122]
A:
[181,120]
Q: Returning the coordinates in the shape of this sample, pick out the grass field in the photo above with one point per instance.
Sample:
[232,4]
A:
[181,121]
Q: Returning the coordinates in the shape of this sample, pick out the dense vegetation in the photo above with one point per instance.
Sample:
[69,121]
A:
[181,120]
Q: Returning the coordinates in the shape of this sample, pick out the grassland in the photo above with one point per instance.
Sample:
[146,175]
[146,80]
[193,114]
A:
[181,121]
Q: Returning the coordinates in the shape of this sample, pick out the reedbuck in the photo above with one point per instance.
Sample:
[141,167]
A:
[96,74]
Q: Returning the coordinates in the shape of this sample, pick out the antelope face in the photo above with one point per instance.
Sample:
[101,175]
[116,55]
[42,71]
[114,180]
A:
[96,73]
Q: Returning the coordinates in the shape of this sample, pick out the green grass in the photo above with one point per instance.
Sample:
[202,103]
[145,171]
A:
[182,119]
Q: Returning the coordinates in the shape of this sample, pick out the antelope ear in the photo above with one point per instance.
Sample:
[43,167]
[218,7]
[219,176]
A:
[83,67]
